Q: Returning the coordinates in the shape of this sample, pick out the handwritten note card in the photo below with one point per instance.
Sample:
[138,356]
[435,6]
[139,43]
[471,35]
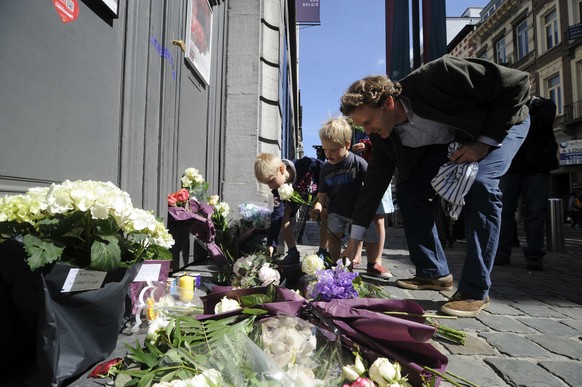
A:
[148,272]
[80,279]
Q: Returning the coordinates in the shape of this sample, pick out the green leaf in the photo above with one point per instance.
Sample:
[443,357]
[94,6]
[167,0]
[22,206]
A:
[105,253]
[11,229]
[255,299]
[138,355]
[40,252]
[77,233]
[272,292]
[157,252]
[107,226]
[254,311]
[122,381]
[147,379]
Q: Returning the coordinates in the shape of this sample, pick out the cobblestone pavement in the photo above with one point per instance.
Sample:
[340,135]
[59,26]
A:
[531,335]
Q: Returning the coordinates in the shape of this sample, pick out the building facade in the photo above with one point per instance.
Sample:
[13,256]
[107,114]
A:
[113,91]
[545,39]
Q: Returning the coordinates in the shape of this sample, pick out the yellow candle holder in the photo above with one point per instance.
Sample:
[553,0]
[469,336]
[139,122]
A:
[186,288]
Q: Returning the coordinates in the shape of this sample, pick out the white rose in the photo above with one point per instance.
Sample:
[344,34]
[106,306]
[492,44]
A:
[225,305]
[207,378]
[223,209]
[311,264]
[350,373]
[359,365]
[303,376]
[285,192]
[268,275]
[191,172]
[383,372]
[294,339]
[213,200]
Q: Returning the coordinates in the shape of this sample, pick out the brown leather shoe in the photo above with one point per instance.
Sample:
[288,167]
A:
[417,283]
[461,305]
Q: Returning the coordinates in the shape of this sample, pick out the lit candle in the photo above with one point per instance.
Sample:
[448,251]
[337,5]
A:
[186,288]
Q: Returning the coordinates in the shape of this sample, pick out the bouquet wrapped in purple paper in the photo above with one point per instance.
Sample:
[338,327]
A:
[367,324]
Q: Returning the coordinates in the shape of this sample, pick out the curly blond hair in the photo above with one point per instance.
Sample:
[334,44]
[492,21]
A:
[266,165]
[372,90]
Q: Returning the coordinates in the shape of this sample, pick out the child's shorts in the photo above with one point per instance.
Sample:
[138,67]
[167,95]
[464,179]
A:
[386,205]
[337,224]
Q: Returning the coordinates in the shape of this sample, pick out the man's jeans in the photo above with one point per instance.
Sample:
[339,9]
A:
[482,214]
[534,192]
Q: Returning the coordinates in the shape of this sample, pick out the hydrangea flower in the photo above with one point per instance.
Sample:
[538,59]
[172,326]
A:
[336,283]
[94,221]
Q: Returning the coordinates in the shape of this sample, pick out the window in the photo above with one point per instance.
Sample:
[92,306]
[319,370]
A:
[551,28]
[555,91]
[578,80]
[521,40]
[500,52]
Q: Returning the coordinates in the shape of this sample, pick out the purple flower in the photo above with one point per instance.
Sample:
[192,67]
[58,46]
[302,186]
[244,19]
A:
[334,283]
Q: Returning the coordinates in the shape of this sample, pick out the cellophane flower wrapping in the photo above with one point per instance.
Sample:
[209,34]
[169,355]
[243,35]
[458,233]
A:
[240,362]
[256,215]
[309,355]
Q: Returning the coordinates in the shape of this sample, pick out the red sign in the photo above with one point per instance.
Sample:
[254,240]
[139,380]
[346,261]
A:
[68,10]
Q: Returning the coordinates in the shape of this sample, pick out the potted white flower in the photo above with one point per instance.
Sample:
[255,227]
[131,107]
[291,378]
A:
[68,254]
[87,224]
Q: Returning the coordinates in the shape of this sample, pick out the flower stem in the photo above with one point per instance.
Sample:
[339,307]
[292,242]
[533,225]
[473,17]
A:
[448,376]
[448,333]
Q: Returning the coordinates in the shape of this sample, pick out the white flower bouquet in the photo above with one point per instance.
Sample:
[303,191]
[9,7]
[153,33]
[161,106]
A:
[288,194]
[258,216]
[301,349]
[87,224]
[254,270]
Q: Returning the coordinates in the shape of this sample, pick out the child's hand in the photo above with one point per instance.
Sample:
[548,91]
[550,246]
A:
[359,147]
[315,213]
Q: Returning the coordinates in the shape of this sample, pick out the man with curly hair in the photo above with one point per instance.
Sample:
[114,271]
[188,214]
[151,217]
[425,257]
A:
[410,123]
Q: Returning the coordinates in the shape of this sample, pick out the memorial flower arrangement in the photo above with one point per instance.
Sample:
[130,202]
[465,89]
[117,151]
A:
[220,214]
[195,183]
[254,270]
[203,216]
[255,337]
[87,224]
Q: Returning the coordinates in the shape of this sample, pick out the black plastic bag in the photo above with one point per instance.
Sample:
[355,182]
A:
[64,334]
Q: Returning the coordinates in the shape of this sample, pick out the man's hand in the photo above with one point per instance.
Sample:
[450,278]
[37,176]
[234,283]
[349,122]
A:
[470,152]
